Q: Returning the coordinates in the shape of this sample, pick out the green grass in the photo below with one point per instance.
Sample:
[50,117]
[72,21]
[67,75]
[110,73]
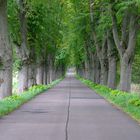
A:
[128,102]
[11,103]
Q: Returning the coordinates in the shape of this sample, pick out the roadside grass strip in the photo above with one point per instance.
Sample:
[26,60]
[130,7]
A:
[128,102]
[13,102]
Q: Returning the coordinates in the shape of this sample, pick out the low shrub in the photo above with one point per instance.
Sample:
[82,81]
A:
[135,102]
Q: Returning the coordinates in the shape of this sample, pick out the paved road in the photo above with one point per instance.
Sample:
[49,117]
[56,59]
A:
[69,111]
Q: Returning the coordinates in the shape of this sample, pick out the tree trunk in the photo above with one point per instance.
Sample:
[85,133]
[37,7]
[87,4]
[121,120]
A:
[23,79]
[112,73]
[91,67]
[125,45]
[102,55]
[45,74]
[40,74]
[86,73]
[58,72]
[125,78]
[97,70]
[49,75]
[32,75]
[104,73]
[48,69]
[112,60]
[22,50]
[5,54]
[5,82]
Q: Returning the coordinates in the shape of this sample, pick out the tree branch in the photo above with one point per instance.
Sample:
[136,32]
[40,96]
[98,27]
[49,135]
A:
[98,48]
[132,36]
[126,20]
[115,30]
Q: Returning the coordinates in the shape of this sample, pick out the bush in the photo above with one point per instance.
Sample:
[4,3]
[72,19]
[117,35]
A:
[135,102]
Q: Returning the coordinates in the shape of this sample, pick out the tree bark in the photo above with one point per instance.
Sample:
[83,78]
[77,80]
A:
[112,59]
[102,55]
[23,79]
[45,74]
[48,69]
[40,74]
[125,79]
[97,70]
[86,73]
[104,73]
[91,67]
[5,54]
[125,46]
[32,75]
[22,50]
[128,56]
[112,73]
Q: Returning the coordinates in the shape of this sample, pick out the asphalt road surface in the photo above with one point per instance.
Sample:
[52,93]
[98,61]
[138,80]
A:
[69,111]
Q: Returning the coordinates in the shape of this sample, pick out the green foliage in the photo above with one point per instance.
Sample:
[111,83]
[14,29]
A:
[130,103]
[13,20]
[135,102]
[78,30]
[136,64]
[45,30]
[63,29]
[11,103]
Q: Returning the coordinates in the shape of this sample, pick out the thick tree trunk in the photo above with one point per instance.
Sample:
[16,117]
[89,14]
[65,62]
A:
[40,74]
[103,58]
[112,60]
[45,74]
[79,71]
[53,72]
[102,55]
[82,73]
[48,69]
[104,73]
[91,68]
[23,79]
[97,70]
[128,56]
[5,82]
[125,45]
[98,75]
[22,50]
[125,77]
[112,73]
[32,75]
[49,75]
[5,54]
[58,72]
[86,73]
[97,65]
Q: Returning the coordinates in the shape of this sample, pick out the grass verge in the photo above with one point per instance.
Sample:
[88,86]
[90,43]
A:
[129,103]
[13,102]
